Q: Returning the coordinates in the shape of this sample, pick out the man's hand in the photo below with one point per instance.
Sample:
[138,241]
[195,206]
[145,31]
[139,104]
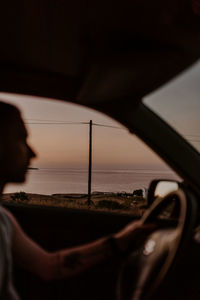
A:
[133,235]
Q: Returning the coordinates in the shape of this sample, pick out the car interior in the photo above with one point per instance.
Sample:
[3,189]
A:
[109,56]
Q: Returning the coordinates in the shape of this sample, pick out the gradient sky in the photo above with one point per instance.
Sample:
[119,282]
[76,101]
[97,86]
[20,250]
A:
[179,103]
[67,145]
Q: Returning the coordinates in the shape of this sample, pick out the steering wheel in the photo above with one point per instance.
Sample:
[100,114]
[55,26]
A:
[146,267]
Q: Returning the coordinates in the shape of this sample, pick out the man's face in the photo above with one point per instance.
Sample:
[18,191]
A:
[16,152]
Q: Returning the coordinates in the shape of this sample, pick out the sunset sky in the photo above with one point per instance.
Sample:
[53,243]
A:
[66,145]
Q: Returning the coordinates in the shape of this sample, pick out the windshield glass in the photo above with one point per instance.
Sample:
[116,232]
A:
[85,160]
[178,104]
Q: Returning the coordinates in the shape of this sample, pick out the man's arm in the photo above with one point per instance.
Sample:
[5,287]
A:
[67,262]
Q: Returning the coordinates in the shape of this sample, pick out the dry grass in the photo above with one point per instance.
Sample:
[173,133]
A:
[103,202]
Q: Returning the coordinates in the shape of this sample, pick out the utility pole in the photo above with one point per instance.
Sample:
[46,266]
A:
[90,163]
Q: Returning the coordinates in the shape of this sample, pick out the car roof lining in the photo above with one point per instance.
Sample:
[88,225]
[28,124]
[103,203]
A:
[95,52]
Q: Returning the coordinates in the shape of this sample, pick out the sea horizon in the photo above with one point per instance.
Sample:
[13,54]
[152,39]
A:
[52,180]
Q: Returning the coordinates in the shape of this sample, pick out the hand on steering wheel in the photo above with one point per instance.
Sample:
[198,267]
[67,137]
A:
[145,267]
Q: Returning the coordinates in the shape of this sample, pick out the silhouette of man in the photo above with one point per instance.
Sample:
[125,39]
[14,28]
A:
[15,157]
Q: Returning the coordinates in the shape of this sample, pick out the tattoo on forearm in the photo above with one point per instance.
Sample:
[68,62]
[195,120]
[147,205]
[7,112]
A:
[72,261]
[96,253]
[77,259]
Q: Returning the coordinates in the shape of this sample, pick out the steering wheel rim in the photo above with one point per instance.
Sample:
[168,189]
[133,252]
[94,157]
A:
[145,269]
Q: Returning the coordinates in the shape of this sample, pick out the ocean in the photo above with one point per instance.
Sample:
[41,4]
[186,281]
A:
[49,181]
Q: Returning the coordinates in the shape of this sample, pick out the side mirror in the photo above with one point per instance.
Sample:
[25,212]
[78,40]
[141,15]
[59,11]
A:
[160,188]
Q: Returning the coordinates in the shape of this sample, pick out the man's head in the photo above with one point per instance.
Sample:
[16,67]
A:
[15,153]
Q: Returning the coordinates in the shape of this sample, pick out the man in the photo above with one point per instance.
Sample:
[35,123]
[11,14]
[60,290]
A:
[15,157]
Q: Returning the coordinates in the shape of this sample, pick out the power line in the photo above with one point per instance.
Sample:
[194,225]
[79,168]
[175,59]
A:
[52,123]
[103,125]
[49,122]
[40,121]
[193,141]
[59,122]
[192,136]
[55,123]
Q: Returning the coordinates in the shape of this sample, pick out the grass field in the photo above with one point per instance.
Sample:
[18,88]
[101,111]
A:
[115,202]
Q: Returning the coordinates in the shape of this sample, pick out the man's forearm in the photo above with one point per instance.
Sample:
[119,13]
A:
[71,262]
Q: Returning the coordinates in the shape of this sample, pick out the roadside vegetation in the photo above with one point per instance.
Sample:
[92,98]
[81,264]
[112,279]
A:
[132,203]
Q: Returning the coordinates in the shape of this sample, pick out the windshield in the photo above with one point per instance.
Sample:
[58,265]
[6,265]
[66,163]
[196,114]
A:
[85,160]
[178,104]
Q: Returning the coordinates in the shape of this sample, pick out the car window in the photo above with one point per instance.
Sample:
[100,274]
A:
[122,166]
[178,104]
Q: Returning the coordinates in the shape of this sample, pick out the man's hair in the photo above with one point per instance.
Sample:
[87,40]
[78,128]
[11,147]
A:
[7,109]
[8,113]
